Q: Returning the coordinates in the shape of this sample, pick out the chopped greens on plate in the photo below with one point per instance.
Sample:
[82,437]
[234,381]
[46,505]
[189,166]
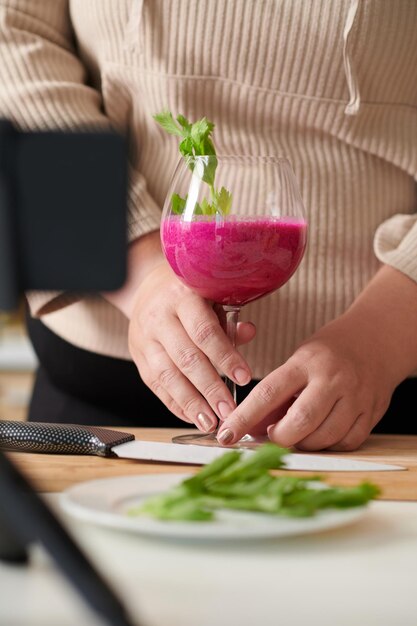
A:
[244,482]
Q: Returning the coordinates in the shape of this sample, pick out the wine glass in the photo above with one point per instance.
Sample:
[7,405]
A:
[233,229]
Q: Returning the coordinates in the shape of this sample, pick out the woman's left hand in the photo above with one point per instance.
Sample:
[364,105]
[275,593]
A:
[337,385]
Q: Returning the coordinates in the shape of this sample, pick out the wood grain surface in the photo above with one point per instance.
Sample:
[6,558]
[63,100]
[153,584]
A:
[54,473]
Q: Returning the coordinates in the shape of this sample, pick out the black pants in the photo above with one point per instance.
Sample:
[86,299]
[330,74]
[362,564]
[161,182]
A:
[80,387]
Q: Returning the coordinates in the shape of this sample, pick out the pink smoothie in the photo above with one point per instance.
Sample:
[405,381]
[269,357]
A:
[235,260]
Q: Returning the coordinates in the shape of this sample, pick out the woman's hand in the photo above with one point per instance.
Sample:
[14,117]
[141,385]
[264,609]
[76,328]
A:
[177,340]
[338,384]
[334,392]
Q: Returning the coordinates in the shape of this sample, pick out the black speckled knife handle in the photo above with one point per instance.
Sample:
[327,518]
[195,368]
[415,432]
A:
[60,438]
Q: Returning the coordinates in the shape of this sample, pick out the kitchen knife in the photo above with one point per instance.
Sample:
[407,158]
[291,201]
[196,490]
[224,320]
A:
[94,440]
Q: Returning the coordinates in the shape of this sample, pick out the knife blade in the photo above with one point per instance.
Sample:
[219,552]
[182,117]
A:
[200,455]
[93,440]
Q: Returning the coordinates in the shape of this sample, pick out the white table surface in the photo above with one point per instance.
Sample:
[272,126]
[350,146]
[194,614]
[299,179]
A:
[360,575]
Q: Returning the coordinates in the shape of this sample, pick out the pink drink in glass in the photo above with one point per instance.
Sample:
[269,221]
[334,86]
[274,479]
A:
[233,261]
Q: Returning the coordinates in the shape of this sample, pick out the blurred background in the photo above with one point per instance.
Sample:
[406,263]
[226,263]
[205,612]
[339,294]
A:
[17,366]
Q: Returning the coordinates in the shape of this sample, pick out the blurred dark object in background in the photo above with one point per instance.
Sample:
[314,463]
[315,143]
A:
[62,212]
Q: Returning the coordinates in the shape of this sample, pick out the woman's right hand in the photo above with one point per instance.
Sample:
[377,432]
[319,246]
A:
[178,344]
[177,340]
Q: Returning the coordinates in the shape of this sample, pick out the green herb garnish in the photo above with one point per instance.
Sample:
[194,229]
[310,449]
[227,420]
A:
[196,141]
[242,482]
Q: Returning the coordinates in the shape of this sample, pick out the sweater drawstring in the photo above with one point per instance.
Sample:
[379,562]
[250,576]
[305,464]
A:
[132,42]
[353,105]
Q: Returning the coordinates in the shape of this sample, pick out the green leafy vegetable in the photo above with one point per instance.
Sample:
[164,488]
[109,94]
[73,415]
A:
[196,141]
[244,482]
[168,123]
[178,203]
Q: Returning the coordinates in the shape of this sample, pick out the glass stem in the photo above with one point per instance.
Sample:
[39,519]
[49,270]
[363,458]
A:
[232,318]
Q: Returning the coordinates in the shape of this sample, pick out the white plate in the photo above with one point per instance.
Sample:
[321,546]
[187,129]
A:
[107,501]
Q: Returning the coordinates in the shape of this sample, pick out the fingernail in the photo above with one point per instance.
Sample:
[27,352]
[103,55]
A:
[241,376]
[225,436]
[224,409]
[205,422]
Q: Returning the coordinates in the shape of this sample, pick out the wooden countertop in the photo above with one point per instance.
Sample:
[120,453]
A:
[53,473]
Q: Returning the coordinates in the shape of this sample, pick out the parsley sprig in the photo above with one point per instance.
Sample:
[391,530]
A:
[196,141]
[236,481]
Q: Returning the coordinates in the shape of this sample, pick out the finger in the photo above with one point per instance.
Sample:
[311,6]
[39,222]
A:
[333,429]
[165,380]
[204,329]
[304,416]
[245,332]
[356,435]
[262,427]
[197,368]
[165,398]
[268,395]
[168,401]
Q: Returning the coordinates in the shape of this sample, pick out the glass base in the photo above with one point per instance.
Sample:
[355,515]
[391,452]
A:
[199,439]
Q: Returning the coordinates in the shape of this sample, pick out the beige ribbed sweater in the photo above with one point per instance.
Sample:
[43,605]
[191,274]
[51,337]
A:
[329,83]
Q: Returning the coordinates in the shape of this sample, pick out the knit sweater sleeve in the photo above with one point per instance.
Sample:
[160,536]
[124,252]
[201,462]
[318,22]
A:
[44,85]
[396,243]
